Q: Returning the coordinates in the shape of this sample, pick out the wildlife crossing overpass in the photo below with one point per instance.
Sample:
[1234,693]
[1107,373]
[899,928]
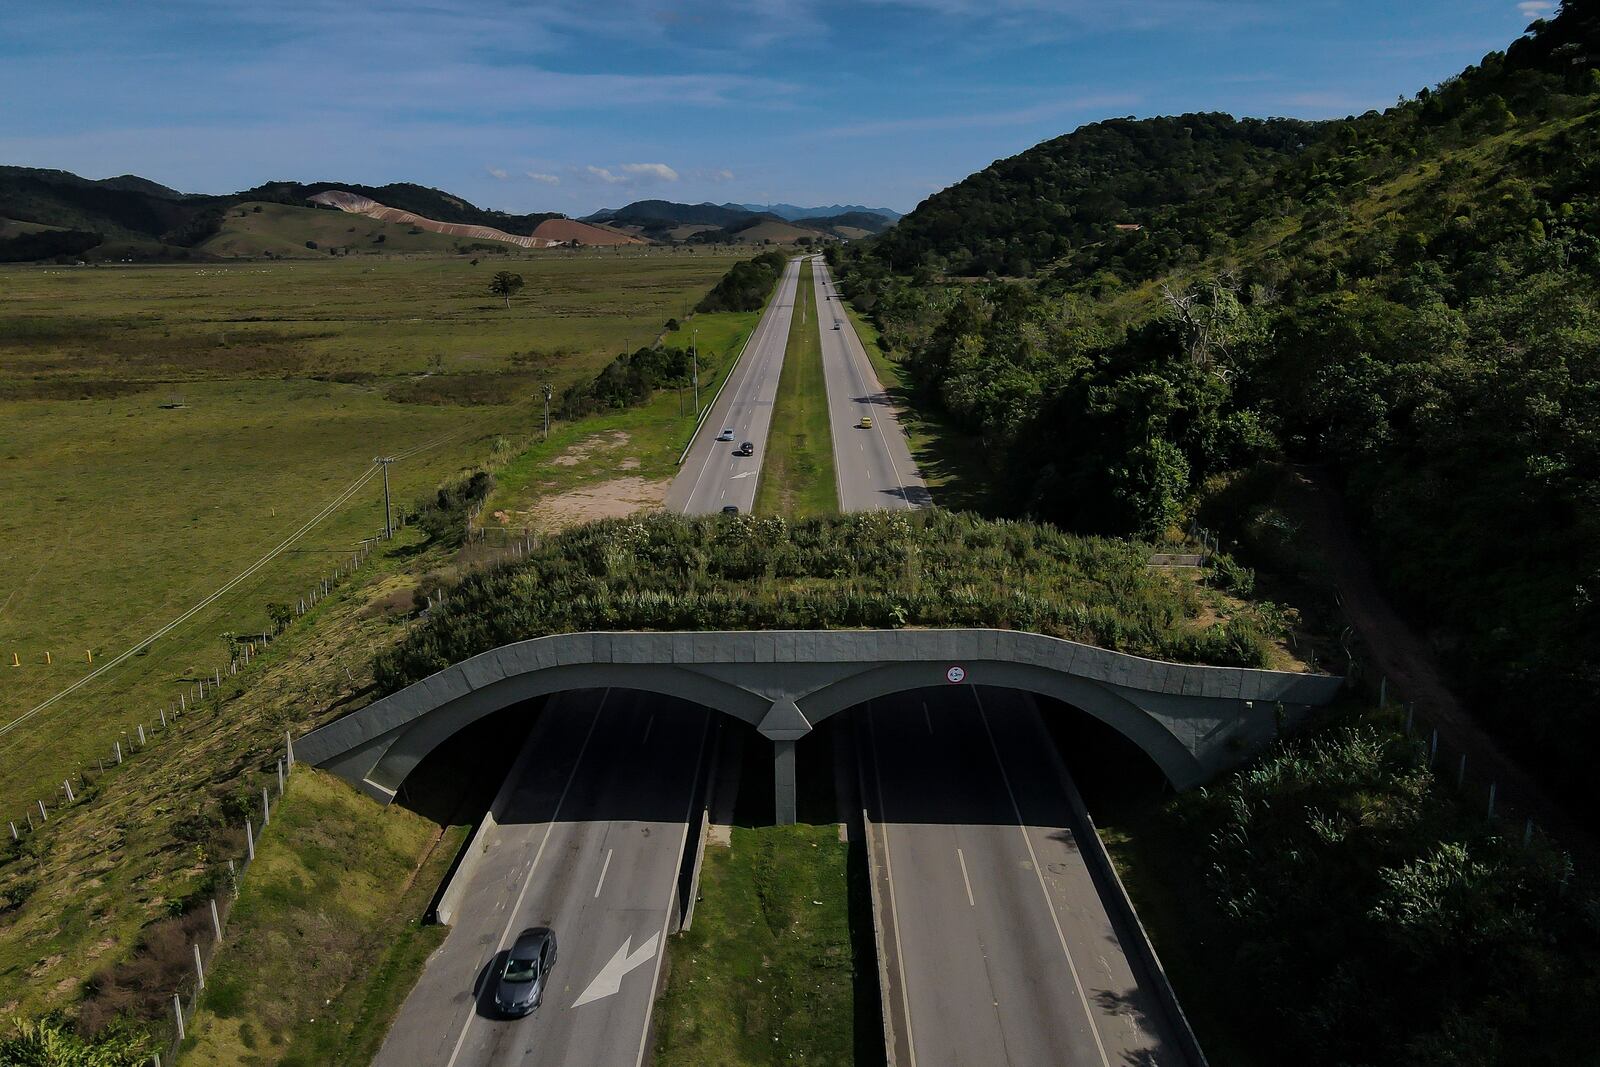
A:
[1193,721]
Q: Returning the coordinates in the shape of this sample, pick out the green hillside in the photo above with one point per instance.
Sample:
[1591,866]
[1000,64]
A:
[1409,302]
[257,229]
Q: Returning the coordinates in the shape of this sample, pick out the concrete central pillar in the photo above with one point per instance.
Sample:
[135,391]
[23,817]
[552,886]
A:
[786,801]
[784,724]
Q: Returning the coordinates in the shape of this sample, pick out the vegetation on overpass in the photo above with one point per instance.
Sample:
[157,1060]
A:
[881,570]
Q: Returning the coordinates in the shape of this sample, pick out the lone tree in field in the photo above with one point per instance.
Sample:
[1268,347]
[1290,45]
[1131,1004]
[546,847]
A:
[505,284]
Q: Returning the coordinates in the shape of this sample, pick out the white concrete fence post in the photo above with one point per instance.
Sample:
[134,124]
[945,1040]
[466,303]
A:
[1527,832]
[119,753]
[67,785]
[177,1011]
[288,747]
[249,840]
[1433,749]
[141,735]
[280,776]
[199,968]
[1411,712]
[216,920]
[44,816]
[266,809]
[1461,771]
[1383,692]
[163,713]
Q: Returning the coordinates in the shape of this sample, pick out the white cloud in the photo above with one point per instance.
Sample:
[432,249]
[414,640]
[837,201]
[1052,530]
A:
[657,171]
[606,176]
[497,172]
[1536,8]
[548,179]
[723,175]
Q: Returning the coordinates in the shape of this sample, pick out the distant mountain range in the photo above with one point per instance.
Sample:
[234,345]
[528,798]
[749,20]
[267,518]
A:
[793,212]
[47,214]
[664,220]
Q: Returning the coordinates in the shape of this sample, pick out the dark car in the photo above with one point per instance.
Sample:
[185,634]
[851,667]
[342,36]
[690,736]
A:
[748,448]
[730,509]
[520,987]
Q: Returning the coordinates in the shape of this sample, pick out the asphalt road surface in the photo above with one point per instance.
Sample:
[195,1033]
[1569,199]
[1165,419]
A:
[589,845]
[998,946]
[711,476]
[874,466]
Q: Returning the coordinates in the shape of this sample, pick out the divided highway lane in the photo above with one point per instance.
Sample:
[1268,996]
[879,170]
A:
[874,466]
[589,845]
[711,476]
[1000,950]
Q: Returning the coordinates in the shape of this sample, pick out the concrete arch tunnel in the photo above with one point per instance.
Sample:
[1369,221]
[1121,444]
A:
[1192,721]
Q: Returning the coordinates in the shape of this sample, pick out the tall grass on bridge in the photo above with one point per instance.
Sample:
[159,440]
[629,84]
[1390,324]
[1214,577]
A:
[879,570]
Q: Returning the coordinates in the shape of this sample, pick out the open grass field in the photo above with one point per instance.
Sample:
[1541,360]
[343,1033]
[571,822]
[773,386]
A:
[619,461]
[765,975]
[227,405]
[797,476]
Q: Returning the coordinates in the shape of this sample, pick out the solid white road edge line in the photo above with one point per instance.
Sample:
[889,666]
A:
[528,879]
[1077,983]
[666,921]
[604,867]
[888,870]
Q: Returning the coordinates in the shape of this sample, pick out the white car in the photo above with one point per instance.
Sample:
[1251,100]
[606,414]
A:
[726,435]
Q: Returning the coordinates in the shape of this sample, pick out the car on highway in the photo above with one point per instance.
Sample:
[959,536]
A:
[836,325]
[865,423]
[523,976]
[726,434]
[730,509]
[748,448]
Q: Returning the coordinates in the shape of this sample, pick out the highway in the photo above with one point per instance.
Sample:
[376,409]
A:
[874,466]
[711,477]
[998,947]
[589,845]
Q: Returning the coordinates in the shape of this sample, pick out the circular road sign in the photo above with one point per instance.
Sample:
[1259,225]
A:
[955,675]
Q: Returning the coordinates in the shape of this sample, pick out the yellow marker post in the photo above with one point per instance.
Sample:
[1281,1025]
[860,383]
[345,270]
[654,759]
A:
[16,661]
[47,659]
[89,652]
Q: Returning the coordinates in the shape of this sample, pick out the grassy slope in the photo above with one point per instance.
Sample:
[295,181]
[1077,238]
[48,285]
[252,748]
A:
[797,476]
[283,230]
[118,513]
[329,912]
[765,974]
[652,435]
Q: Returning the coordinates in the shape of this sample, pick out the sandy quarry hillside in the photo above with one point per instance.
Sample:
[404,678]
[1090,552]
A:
[562,230]
[548,234]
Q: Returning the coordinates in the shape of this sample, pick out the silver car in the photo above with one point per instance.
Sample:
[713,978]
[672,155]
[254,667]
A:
[520,987]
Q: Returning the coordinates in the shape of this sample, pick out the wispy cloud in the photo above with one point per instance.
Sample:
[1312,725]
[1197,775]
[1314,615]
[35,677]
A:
[498,173]
[655,171]
[1536,8]
[604,175]
[546,179]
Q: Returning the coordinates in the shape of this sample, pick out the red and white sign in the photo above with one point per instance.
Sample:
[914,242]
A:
[955,675]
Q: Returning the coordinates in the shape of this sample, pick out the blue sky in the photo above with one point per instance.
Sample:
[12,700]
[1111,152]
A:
[572,105]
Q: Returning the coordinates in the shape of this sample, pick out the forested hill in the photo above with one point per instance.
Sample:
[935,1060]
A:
[1022,213]
[1410,303]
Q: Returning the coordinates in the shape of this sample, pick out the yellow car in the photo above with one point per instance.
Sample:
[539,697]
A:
[865,423]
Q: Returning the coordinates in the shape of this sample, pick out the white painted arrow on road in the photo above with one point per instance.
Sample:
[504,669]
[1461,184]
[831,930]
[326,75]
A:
[745,474]
[609,980]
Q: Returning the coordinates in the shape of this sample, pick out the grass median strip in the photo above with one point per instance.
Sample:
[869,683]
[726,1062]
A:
[766,974]
[797,476]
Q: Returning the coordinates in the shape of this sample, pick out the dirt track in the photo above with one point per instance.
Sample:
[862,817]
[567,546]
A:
[1414,675]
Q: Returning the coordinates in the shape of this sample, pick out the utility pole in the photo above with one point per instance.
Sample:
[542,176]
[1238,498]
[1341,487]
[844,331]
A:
[547,394]
[388,520]
[694,356]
